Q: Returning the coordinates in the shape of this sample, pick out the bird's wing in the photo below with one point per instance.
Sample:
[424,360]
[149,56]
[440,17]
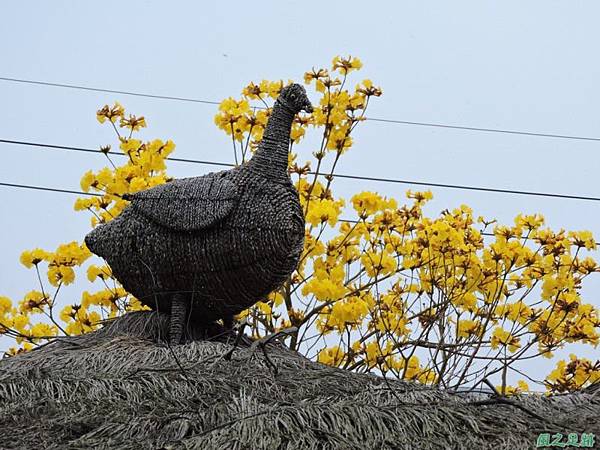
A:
[188,204]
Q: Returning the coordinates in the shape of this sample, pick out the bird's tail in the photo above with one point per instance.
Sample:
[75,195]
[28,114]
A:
[93,240]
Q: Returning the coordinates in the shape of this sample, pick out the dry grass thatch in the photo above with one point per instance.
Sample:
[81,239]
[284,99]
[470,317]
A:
[112,389]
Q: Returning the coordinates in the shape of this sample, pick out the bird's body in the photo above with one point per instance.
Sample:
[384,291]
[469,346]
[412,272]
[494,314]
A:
[206,248]
[221,269]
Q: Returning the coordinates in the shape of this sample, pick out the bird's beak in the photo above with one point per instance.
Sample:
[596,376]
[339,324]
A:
[308,108]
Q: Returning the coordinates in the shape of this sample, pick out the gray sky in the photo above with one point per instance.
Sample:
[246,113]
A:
[529,66]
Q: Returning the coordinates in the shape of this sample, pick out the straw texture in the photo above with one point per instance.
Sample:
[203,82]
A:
[122,387]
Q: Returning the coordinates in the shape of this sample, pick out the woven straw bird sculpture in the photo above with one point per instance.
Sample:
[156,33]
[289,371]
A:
[206,248]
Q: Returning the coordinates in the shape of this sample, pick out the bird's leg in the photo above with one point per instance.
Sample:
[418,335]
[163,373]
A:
[178,315]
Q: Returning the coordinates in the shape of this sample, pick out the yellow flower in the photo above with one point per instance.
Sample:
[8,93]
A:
[368,203]
[33,302]
[420,196]
[101,115]
[87,181]
[324,289]
[521,387]
[109,113]
[60,274]
[43,330]
[135,305]
[70,254]
[94,272]
[468,328]
[33,257]
[346,65]
[105,176]
[350,311]
[68,313]
[19,322]
[315,74]
[297,133]
[133,123]
[130,146]
[5,305]
[502,337]
[272,87]
[331,356]
[531,222]
[328,282]
[583,239]
[82,203]
[252,91]
[325,210]
[233,107]
[574,375]
[368,90]
[466,301]
[411,367]
[378,264]
[519,312]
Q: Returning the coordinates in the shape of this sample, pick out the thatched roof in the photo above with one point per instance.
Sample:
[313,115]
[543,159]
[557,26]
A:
[115,390]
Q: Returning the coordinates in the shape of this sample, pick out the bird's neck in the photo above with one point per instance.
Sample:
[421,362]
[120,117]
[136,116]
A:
[271,157]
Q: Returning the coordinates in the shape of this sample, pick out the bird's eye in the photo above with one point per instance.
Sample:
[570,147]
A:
[293,96]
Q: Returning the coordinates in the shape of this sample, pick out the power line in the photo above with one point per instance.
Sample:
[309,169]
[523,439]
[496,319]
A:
[469,188]
[110,91]
[49,189]
[346,176]
[486,130]
[91,150]
[373,119]
[93,194]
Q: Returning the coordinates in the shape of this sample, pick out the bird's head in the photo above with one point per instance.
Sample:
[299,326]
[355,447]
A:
[294,98]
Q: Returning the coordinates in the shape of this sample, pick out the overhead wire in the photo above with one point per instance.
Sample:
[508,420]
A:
[109,91]
[336,175]
[94,194]
[48,189]
[373,119]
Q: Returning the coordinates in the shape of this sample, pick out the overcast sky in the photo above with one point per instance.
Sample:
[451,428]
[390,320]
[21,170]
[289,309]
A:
[529,66]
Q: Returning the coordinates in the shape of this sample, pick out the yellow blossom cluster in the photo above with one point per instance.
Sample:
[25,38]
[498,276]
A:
[445,276]
[15,322]
[502,337]
[30,258]
[144,167]
[389,313]
[509,391]
[327,282]
[112,113]
[7,311]
[386,360]
[573,375]
[345,65]
[60,262]
[467,328]
[396,292]
[344,314]
[337,111]
[368,203]
[79,320]
[117,112]
[324,211]
[332,356]
[34,301]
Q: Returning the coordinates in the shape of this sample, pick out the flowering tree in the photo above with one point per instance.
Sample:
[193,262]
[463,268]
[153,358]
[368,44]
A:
[386,289]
